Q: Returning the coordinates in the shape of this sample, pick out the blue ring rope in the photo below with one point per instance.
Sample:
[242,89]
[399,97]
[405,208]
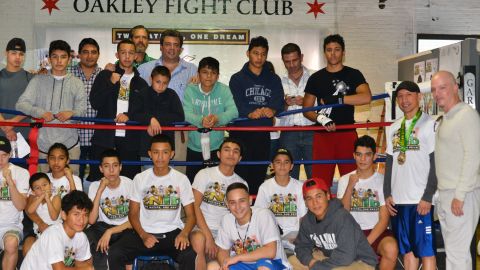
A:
[240,119]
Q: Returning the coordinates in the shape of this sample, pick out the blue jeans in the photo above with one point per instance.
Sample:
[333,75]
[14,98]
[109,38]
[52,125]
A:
[300,144]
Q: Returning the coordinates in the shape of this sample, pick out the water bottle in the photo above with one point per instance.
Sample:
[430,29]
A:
[14,149]
[205,143]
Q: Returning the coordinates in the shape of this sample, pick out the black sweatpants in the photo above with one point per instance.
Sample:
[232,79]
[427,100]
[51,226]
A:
[94,233]
[256,147]
[197,156]
[131,246]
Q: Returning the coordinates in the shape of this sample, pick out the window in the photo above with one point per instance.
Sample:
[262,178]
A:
[427,42]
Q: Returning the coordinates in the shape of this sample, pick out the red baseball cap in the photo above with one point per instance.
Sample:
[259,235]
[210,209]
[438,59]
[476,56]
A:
[314,183]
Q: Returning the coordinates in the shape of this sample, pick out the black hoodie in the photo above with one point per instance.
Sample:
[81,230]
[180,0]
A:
[166,107]
[338,236]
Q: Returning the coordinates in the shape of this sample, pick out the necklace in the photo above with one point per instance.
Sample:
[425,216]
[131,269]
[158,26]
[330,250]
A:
[244,250]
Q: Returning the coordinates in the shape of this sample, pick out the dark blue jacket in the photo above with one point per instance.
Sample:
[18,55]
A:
[251,92]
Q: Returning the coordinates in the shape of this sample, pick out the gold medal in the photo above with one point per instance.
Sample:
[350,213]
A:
[405,137]
[401,158]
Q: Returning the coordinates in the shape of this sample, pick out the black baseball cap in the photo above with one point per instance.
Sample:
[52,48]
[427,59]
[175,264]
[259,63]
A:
[16,44]
[409,86]
[5,145]
[282,151]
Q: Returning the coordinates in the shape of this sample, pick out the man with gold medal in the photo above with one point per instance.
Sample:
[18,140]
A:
[410,180]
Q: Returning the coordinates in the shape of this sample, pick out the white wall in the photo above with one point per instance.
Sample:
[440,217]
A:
[17,20]
[231,57]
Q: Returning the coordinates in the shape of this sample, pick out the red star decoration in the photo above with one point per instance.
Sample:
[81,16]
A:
[50,5]
[315,8]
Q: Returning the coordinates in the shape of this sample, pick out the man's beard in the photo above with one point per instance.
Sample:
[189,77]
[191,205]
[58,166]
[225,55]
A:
[141,49]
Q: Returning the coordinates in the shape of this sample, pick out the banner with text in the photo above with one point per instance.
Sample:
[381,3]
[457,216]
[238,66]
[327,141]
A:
[186,14]
[192,36]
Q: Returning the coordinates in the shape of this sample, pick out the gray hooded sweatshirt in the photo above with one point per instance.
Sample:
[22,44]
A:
[338,236]
[43,94]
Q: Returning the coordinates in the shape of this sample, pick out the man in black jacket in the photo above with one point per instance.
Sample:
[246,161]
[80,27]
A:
[111,96]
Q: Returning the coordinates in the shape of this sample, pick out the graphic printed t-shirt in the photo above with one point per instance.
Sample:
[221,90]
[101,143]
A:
[324,84]
[123,98]
[410,179]
[113,202]
[286,203]
[367,197]
[62,186]
[262,229]
[11,217]
[213,185]
[160,198]
[55,246]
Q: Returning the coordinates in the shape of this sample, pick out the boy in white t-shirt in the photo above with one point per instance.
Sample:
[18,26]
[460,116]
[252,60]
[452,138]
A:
[282,194]
[209,189]
[361,193]
[13,199]
[248,237]
[44,204]
[64,246]
[109,217]
[154,212]
[62,181]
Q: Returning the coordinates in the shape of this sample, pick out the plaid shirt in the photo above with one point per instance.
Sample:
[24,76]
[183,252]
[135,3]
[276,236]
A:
[86,134]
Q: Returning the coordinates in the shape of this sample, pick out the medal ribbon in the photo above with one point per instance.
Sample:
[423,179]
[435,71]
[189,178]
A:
[405,135]
[246,232]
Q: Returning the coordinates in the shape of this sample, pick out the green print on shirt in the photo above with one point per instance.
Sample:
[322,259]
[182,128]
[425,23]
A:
[4,192]
[124,93]
[61,190]
[251,244]
[412,144]
[162,198]
[69,257]
[365,200]
[284,205]
[115,207]
[215,194]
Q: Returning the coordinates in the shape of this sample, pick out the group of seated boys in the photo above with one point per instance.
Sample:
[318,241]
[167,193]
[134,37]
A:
[218,228]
